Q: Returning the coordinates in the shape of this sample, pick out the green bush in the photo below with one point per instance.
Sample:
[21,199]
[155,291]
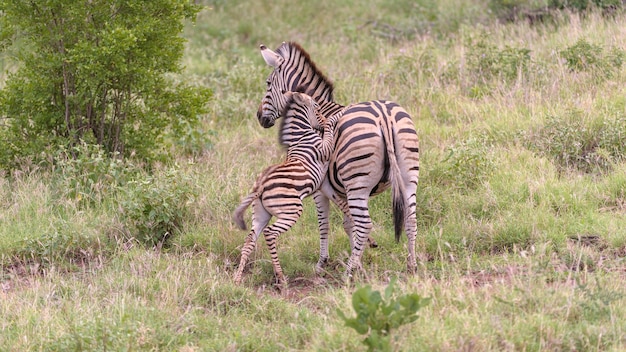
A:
[95,72]
[87,175]
[511,9]
[588,57]
[567,141]
[587,147]
[581,5]
[60,247]
[537,11]
[155,207]
[485,61]
[465,166]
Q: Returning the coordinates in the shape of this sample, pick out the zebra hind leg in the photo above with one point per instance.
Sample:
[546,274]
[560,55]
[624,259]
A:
[247,248]
[349,228]
[411,228]
[260,219]
[271,235]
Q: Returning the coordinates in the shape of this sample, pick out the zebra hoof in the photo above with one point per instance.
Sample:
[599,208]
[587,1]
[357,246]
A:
[238,277]
[411,269]
[281,283]
[319,267]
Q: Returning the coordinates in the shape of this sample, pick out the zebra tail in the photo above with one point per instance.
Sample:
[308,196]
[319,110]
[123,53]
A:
[398,215]
[397,185]
[241,209]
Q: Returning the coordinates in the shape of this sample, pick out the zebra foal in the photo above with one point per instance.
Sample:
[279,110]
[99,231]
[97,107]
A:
[280,189]
[375,147]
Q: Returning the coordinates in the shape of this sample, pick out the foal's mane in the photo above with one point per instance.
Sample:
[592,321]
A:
[283,120]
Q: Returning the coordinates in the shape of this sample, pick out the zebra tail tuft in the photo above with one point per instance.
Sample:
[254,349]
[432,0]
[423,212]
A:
[398,213]
[241,209]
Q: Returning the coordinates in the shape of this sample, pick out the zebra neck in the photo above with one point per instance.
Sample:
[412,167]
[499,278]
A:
[329,108]
[328,140]
[304,146]
[302,72]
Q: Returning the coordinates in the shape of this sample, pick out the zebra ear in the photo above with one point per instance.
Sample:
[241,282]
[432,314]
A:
[288,95]
[298,98]
[270,57]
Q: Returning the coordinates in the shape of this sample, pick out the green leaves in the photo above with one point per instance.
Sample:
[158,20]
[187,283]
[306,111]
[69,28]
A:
[376,315]
[95,72]
[156,207]
[584,56]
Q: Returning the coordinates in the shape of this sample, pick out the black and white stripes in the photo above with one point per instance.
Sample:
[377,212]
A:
[375,146]
[280,189]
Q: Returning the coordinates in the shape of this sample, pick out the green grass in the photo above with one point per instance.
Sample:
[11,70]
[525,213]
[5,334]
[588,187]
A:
[521,201]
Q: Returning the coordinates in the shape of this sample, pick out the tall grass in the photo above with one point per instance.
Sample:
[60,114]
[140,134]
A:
[521,199]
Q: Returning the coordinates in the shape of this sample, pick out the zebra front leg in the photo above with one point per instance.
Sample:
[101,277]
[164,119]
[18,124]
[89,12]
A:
[323,210]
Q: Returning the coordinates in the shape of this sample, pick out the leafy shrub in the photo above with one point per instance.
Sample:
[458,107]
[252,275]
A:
[486,61]
[193,140]
[587,57]
[61,246]
[465,165]
[377,316]
[567,142]
[154,207]
[95,73]
[86,174]
[572,143]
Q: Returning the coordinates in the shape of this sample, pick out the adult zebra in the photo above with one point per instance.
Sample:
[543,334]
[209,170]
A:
[375,145]
[280,189]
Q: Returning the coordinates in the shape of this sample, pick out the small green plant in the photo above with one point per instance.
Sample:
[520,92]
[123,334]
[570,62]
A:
[86,173]
[193,140]
[587,147]
[486,61]
[466,164]
[376,315]
[155,207]
[597,299]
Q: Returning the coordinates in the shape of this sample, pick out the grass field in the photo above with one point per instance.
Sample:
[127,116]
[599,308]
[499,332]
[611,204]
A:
[521,202]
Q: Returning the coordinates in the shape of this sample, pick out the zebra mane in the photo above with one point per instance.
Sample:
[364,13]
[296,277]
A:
[284,120]
[302,89]
[286,50]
